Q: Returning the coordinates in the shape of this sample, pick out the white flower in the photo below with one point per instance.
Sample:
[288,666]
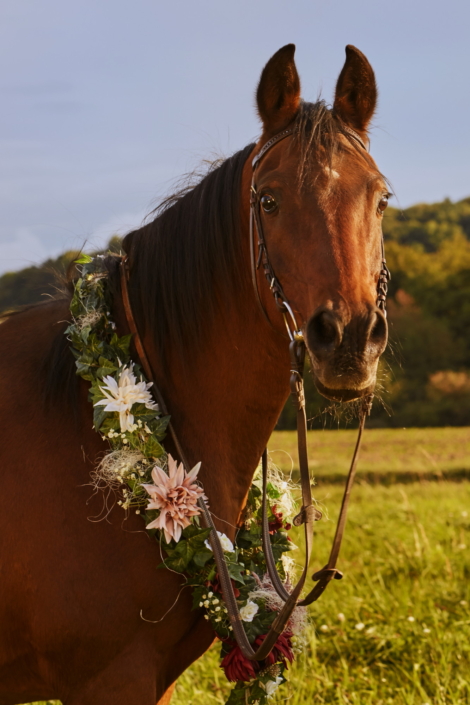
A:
[248,611]
[227,545]
[341,617]
[121,395]
[360,626]
[324,628]
[288,564]
[271,686]
[411,619]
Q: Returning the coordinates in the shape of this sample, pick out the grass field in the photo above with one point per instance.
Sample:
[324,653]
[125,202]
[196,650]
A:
[406,559]
[396,629]
[387,455]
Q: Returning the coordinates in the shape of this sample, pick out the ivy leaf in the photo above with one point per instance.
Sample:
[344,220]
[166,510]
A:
[243,693]
[235,572]
[280,544]
[180,557]
[122,344]
[249,539]
[99,415]
[111,422]
[159,426]
[140,411]
[106,367]
[237,695]
[202,556]
[84,371]
[152,448]
[195,532]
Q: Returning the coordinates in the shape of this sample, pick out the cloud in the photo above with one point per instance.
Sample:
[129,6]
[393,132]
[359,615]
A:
[46,88]
[116,225]
[25,250]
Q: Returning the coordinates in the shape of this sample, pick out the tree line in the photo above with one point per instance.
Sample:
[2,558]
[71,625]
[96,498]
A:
[424,377]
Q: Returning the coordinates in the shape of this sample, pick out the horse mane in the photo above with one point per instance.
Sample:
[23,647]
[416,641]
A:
[185,262]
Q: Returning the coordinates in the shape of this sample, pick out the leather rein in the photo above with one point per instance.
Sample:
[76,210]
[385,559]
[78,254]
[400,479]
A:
[308,513]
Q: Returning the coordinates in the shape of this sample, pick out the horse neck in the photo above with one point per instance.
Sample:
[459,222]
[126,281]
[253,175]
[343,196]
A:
[226,398]
[227,402]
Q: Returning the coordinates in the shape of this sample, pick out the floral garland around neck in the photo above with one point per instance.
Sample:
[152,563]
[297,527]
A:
[152,484]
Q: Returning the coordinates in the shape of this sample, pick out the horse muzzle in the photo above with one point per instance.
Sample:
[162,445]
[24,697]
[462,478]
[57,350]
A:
[345,351]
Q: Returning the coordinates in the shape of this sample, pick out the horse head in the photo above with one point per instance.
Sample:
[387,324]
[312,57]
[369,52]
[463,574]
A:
[319,199]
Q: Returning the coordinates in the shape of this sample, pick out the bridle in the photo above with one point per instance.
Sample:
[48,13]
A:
[308,513]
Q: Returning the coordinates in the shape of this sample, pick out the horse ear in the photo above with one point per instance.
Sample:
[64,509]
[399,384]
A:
[356,91]
[278,94]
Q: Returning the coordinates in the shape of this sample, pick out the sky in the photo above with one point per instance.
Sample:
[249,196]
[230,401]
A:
[105,103]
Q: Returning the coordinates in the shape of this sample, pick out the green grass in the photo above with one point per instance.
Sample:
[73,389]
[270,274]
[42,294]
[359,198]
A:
[387,455]
[405,554]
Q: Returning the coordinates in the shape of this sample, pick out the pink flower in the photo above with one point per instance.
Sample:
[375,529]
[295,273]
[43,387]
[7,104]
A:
[175,495]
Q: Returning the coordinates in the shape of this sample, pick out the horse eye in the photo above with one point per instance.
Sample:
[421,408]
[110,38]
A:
[383,203]
[268,203]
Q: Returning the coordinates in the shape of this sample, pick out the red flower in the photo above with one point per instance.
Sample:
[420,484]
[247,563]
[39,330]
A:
[282,651]
[216,586]
[238,668]
[277,523]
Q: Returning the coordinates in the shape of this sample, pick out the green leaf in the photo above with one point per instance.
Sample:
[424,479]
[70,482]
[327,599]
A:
[280,544]
[202,556]
[159,426]
[99,416]
[272,491]
[180,557]
[234,570]
[152,448]
[122,344]
[84,259]
[110,422]
[106,367]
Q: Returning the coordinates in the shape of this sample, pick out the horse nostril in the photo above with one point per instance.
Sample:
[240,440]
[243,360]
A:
[378,329]
[324,332]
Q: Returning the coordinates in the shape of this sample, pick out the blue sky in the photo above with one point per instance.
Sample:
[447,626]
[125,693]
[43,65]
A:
[106,102]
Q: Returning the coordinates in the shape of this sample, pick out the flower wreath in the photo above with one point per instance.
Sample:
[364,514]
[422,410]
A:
[152,484]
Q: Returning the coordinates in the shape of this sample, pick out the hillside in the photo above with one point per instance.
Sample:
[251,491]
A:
[425,374]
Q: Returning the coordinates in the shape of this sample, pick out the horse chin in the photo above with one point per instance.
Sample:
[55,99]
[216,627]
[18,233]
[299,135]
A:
[343,395]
